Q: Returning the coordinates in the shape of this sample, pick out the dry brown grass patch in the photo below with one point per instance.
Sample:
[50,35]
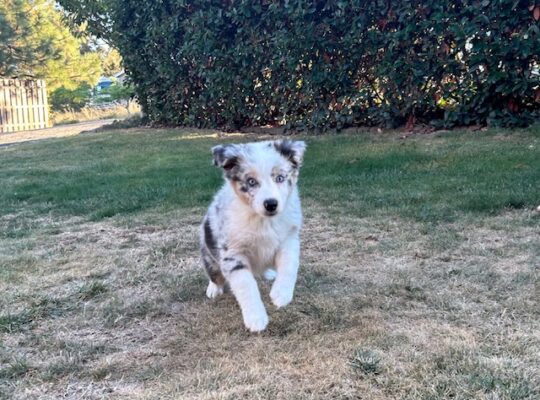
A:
[384,308]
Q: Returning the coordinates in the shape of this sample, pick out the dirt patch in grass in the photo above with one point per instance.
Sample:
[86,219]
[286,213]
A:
[55,132]
[384,308]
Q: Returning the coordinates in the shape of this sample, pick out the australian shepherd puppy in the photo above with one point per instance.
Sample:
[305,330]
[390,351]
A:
[252,226]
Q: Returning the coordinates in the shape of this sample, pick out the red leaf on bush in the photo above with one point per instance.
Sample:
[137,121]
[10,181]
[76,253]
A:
[446,48]
[536,13]
[513,106]
[382,24]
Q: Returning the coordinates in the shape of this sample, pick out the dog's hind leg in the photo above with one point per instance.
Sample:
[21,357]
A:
[217,280]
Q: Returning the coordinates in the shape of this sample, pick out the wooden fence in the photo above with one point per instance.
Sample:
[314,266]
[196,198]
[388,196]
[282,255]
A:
[23,105]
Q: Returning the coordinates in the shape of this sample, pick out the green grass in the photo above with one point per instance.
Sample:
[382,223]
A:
[37,309]
[433,179]
[15,368]
[419,271]
[101,176]
[366,362]
[91,289]
[428,179]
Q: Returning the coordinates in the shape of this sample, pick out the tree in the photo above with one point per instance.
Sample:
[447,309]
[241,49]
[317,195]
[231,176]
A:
[22,48]
[36,43]
[111,61]
[94,13]
[63,99]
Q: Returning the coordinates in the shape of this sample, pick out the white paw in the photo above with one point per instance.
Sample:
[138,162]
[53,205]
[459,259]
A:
[256,321]
[270,274]
[213,290]
[281,296]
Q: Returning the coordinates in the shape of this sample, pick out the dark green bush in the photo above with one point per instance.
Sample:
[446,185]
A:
[332,64]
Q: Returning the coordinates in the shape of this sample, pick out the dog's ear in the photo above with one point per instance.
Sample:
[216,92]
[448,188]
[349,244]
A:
[225,156]
[291,150]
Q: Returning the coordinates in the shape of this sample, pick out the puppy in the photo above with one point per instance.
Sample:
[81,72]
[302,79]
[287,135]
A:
[252,226]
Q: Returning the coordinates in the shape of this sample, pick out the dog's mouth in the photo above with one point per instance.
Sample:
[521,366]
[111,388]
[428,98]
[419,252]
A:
[270,213]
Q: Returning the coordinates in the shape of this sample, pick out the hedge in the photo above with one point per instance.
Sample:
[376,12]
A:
[332,64]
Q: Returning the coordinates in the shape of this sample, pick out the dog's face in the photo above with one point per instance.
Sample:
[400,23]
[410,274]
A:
[262,174]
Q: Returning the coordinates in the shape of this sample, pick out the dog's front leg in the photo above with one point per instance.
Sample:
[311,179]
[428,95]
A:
[236,270]
[287,262]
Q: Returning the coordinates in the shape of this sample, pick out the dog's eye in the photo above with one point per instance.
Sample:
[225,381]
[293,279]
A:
[280,178]
[252,182]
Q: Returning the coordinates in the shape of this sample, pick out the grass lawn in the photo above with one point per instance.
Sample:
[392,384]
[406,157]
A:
[419,275]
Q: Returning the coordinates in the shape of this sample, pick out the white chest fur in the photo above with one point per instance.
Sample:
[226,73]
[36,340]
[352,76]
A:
[259,238]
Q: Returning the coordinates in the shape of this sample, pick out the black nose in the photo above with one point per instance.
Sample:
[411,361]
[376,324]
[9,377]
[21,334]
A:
[270,205]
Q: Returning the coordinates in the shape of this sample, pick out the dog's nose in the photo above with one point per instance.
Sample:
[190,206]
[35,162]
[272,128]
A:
[270,205]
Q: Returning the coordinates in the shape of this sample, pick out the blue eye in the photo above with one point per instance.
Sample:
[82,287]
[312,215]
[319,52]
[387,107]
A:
[280,178]
[252,182]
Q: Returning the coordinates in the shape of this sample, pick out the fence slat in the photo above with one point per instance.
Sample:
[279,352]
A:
[3,117]
[23,105]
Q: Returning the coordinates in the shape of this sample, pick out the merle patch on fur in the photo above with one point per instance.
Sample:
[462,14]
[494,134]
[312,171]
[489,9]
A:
[238,267]
[216,276]
[209,237]
[285,147]
[218,153]
[230,163]
[224,157]
[212,269]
